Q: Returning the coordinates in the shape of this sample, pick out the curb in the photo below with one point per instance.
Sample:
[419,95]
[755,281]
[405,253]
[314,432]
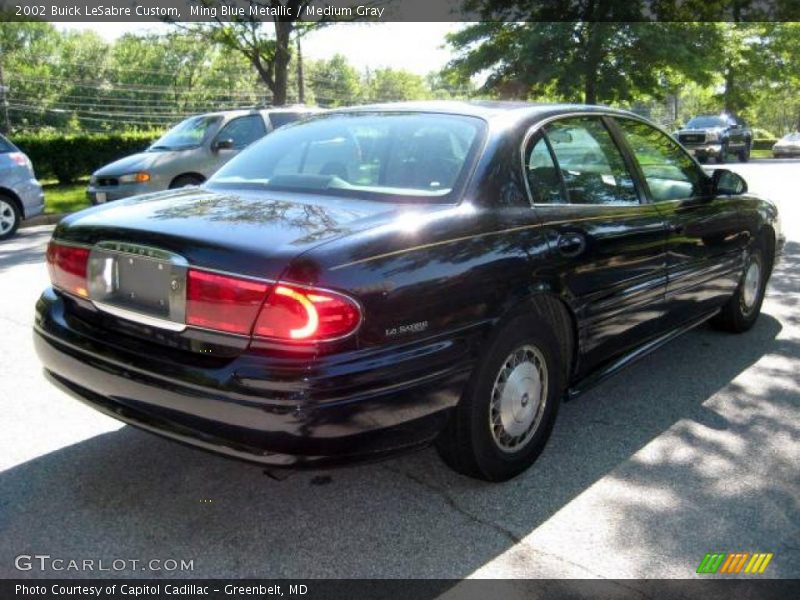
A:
[42,220]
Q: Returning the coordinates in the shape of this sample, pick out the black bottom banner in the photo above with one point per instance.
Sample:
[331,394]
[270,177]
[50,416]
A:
[400,589]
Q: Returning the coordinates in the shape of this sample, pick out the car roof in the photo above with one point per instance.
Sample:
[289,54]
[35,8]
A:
[251,111]
[489,109]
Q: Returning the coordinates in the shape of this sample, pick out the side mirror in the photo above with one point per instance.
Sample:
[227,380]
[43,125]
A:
[222,144]
[727,183]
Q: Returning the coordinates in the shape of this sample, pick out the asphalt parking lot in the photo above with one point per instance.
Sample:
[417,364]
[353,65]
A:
[695,449]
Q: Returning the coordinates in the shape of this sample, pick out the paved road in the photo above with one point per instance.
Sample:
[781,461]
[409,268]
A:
[694,449]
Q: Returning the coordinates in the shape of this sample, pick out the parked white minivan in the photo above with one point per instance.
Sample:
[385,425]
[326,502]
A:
[189,153]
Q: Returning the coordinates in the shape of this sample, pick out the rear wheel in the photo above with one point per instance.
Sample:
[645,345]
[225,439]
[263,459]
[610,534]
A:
[507,413]
[185,181]
[10,217]
[742,310]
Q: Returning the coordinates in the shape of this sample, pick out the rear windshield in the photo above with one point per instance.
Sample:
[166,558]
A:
[381,156]
[792,137]
[6,146]
[703,122]
[186,134]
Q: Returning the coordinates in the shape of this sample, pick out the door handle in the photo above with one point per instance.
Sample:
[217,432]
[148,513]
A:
[571,244]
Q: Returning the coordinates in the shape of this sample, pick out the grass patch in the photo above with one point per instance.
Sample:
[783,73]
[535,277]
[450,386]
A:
[64,198]
[761,153]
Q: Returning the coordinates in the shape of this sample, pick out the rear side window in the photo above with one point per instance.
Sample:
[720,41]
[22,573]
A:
[278,119]
[6,146]
[669,172]
[541,172]
[590,162]
[243,131]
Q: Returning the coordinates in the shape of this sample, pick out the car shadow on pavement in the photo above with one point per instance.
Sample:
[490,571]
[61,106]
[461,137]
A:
[128,494]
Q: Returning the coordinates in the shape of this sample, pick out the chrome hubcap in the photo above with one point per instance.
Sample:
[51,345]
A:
[519,396]
[751,285]
[7,216]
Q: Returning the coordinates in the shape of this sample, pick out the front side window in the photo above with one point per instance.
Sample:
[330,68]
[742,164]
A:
[243,131]
[669,172]
[591,165]
[372,155]
[187,134]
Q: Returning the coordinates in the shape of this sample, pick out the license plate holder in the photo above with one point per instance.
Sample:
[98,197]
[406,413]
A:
[139,283]
[100,197]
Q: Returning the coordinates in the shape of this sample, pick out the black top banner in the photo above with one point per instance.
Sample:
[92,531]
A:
[401,10]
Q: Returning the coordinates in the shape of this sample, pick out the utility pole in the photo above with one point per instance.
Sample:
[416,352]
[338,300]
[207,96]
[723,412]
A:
[6,126]
[301,86]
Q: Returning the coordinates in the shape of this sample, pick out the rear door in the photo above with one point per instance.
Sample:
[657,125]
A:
[607,241]
[706,236]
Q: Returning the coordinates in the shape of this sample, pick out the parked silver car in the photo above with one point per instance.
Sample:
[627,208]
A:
[21,195]
[189,153]
[787,146]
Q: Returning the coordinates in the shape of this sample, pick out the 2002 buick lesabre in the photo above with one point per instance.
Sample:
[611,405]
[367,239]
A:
[378,278]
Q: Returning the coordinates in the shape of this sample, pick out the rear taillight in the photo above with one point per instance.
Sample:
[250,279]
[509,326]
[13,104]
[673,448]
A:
[223,302]
[20,159]
[295,313]
[280,312]
[67,266]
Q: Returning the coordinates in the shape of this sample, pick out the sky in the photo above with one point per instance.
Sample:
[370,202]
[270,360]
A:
[416,47]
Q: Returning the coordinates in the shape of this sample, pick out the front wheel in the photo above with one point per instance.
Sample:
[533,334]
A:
[10,217]
[507,413]
[744,153]
[741,312]
[723,152]
[185,181]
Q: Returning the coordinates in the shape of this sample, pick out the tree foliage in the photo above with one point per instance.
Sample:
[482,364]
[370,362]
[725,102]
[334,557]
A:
[583,61]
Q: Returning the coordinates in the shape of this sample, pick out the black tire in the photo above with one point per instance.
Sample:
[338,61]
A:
[470,443]
[742,309]
[185,181]
[722,156]
[702,158]
[10,217]
[744,153]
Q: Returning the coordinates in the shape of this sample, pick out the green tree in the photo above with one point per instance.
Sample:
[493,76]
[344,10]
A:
[333,82]
[588,61]
[268,49]
[395,85]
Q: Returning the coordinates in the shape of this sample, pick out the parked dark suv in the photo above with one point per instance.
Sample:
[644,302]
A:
[377,278]
[717,136]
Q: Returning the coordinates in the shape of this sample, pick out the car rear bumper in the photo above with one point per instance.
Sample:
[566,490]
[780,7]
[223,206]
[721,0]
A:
[360,405]
[32,197]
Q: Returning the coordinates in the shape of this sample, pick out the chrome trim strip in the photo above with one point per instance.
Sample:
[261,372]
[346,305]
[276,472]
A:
[137,317]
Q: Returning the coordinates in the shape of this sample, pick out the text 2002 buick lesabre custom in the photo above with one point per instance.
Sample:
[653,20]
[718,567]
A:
[378,278]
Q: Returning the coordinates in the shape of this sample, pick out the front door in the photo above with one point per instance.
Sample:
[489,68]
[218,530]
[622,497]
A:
[606,240]
[707,237]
